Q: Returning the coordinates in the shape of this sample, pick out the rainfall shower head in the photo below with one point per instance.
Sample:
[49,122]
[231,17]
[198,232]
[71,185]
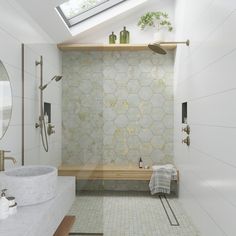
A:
[56,78]
[157,47]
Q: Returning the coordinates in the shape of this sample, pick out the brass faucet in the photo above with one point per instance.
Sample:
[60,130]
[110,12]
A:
[3,158]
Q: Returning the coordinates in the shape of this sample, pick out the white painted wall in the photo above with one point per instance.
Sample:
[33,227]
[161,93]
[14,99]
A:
[205,78]
[17,27]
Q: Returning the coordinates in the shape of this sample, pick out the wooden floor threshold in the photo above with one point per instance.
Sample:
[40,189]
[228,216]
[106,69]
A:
[65,226]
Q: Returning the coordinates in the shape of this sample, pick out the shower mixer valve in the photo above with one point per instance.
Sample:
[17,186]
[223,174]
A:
[51,129]
[186,129]
[186,141]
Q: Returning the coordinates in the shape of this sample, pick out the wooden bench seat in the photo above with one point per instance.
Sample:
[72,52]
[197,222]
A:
[106,172]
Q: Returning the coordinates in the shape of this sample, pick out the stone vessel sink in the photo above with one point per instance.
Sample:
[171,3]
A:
[30,184]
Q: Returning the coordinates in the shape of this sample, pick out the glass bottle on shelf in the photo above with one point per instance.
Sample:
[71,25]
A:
[124,36]
[112,38]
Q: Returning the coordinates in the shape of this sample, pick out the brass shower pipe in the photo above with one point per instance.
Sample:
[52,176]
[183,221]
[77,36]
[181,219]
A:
[157,46]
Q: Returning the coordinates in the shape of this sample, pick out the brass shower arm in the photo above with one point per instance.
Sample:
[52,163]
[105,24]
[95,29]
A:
[180,42]
[157,46]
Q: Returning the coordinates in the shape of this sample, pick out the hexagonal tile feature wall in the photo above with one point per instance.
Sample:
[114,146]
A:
[117,107]
[133,86]
[121,121]
[157,100]
[145,93]
[133,114]
[121,79]
[146,149]
[121,107]
[133,100]
[109,114]
[108,72]
[121,66]
[109,86]
[157,142]
[145,135]
[133,142]
[121,93]
[109,128]
[146,78]
[146,121]
[146,65]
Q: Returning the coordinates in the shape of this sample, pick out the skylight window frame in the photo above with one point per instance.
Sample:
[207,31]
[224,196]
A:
[87,14]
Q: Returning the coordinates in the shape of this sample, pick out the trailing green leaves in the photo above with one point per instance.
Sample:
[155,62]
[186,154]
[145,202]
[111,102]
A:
[155,19]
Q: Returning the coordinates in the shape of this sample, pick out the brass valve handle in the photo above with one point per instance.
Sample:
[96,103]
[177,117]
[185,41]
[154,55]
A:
[186,141]
[50,129]
[186,129]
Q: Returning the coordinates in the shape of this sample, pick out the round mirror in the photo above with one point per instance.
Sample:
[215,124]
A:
[5,100]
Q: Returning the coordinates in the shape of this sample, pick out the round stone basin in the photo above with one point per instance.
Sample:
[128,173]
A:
[30,184]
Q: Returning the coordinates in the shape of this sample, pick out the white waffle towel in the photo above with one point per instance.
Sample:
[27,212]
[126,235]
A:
[161,178]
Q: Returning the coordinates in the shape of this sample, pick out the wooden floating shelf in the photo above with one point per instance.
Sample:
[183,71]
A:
[106,172]
[110,47]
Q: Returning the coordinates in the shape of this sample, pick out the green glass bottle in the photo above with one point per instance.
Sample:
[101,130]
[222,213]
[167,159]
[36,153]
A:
[124,36]
[112,38]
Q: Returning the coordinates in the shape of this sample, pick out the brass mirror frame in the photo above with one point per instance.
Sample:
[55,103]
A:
[10,117]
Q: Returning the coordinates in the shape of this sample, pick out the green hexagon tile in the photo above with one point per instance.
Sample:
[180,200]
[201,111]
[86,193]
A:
[117,106]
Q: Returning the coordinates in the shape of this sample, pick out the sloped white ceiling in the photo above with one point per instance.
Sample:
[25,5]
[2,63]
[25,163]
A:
[20,25]
[130,18]
[44,13]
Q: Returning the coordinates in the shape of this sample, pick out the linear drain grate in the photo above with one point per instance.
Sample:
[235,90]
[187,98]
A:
[169,211]
[87,234]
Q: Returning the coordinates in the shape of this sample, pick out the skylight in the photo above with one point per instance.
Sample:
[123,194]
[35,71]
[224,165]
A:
[76,11]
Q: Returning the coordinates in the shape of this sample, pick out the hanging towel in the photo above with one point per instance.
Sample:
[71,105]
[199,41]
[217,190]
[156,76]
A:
[161,178]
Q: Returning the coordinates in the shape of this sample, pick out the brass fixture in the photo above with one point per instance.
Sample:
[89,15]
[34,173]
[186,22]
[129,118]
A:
[186,129]
[41,122]
[3,158]
[156,47]
[50,129]
[56,78]
[186,141]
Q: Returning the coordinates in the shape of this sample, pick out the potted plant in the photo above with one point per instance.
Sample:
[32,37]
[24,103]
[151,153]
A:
[158,20]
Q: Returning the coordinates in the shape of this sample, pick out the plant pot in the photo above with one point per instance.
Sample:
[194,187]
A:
[160,36]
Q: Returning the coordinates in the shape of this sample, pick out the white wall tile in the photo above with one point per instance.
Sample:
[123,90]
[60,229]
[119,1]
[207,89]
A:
[205,78]
[11,57]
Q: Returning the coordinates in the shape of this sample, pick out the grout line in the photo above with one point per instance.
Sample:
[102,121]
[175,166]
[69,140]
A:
[216,126]
[215,158]
[211,33]
[204,11]
[9,34]
[206,96]
[11,65]
[191,76]
[204,210]
[217,192]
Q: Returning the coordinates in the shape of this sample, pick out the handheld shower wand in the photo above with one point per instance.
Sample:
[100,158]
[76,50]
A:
[56,78]
[42,123]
